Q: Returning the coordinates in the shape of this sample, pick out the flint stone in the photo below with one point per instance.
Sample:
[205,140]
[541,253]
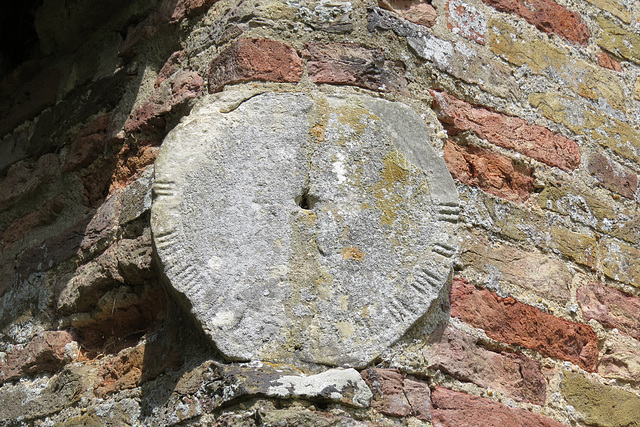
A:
[304,227]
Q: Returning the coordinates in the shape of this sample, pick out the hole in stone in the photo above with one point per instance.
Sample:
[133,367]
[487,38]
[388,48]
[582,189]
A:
[305,201]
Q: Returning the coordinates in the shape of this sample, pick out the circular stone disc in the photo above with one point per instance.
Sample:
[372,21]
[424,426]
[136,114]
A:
[304,226]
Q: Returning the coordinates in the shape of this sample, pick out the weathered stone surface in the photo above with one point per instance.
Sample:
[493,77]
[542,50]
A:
[416,11]
[458,354]
[600,405]
[581,248]
[615,7]
[90,143]
[351,64]
[613,176]
[449,57]
[494,173]
[289,417]
[620,41]
[101,230]
[340,385]
[327,250]
[395,395]
[507,320]
[506,264]
[547,16]
[611,307]
[120,372]
[254,59]
[620,359]
[465,20]
[583,78]
[24,179]
[620,262]
[455,409]
[45,353]
[45,215]
[334,16]
[506,131]
[187,8]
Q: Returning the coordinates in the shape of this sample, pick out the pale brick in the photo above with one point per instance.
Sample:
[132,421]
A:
[395,395]
[465,20]
[416,11]
[620,262]
[613,176]
[611,307]
[458,354]
[507,320]
[620,358]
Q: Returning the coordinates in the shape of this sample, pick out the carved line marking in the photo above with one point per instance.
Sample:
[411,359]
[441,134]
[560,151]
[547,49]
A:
[399,310]
[444,250]
[427,276]
[185,276]
[166,239]
[164,188]
[449,212]
[418,285]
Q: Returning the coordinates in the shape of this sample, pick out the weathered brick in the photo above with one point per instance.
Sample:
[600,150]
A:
[416,11]
[459,355]
[131,162]
[120,372]
[254,59]
[620,262]
[101,230]
[24,179]
[613,176]
[452,58]
[611,307]
[528,271]
[619,41]
[45,215]
[620,358]
[465,20]
[490,171]
[598,404]
[395,395]
[509,321]
[523,48]
[90,143]
[188,8]
[605,130]
[45,353]
[506,131]
[455,409]
[547,16]
[615,8]
[170,67]
[606,61]
[352,64]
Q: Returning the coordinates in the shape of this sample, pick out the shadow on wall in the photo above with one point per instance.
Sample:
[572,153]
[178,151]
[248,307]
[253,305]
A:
[79,129]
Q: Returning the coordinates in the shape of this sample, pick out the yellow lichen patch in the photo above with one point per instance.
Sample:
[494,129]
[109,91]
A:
[317,132]
[354,117]
[395,174]
[353,253]
[345,329]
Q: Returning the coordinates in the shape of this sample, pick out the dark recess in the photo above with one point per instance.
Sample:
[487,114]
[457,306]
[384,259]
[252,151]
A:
[18,33]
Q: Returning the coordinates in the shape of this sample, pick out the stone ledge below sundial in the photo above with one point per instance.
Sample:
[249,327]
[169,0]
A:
[304,226]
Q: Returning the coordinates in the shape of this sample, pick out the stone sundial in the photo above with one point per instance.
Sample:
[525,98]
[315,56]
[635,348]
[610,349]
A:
[304,226]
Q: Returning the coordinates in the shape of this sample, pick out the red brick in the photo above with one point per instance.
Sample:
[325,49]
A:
[456,409]
[170,67]
[547,16]
[416,11]
[492,172]
[395,395]
[457,354]
[254,59]
[149,117]
[188,8]
[466,21]
[45,215]
[90,143]
[45,353]
[613,176]
[25,178]
[510,321]
[606,61]
[611,307]
[506,131]
[355,65]
[120,372]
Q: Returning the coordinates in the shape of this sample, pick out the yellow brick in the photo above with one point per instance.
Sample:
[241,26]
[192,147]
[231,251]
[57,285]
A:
[544,58]
[614,7]
[620,262]
[636,92]
[579,247]
[617,40]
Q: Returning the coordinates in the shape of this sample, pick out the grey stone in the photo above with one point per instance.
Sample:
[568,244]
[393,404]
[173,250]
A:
[304,226]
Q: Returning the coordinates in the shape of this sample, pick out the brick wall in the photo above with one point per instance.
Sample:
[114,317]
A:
[536,105]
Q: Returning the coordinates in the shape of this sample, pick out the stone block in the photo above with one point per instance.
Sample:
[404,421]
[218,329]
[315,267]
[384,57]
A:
[507,131]
[120,372]
[579,247]
[510,321]
[45,215]
[416,11]
[606,61]
[620,262]
[598,404]
[611,307]
[619,41]
[396,395]
[187,8]
[548,16]
[465,20]
[455,409]
[492,172]
[24,179]
[459,355]
[351,64]
[615,7]
[620,358]
[254,59]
